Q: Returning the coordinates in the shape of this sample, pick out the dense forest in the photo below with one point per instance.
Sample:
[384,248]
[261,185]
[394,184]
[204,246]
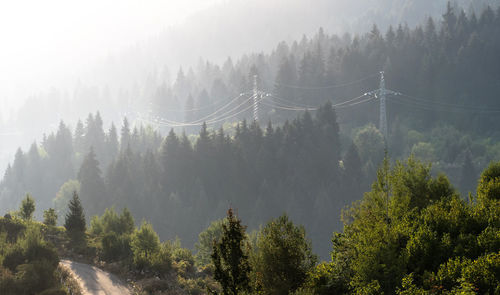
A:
[411,234]
[423,62]
[310,164]
[180,187]
[271,172]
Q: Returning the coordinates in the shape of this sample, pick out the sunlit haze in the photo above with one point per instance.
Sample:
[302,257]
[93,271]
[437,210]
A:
[44,42]
[249,146]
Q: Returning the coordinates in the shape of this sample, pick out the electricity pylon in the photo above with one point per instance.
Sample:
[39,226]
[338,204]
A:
[255,97]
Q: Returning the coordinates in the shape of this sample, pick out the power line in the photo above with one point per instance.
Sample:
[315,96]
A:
[326,86]
[346,104]
[207,118]
[288,108]
[220,109]
[204,107]
[350,100]
[356,103]
[431,107]
[297,104]
[444,104]
[213,121]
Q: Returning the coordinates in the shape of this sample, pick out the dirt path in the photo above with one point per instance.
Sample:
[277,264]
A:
[94,281]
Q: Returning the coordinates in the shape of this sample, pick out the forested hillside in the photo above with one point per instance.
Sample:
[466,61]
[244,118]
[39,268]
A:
[410,234]
[309,164]
[182,186]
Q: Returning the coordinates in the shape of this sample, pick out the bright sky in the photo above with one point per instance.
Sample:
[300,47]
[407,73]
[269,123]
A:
[41,41]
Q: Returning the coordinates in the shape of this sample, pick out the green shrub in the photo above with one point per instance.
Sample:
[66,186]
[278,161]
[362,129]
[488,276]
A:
[13,258]
[145,243]
[13,227]
[162,260]
[116,247]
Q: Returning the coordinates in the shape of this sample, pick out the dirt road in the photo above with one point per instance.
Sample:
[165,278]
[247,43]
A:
[94,281]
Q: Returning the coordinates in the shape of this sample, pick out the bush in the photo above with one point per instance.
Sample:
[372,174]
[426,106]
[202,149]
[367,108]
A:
[8,284]
[13,258]
[116,247]
[35,276]
[27,208]
[13,227]
[145,243]
[30,264]
[183,254]
[162,260]
[50,217]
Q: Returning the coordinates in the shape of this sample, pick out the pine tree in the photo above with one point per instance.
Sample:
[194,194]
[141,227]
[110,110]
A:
[61,155]
[79,139]
[284,257]
[75,218]
[353,173]
[92,187]
[229,258]
[50,217]
[112,144]
[27,208]
[125,135]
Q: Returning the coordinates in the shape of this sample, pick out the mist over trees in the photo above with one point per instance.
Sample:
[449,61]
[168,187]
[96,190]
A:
[304,164]
[182,186]
[157,82]
[322,197]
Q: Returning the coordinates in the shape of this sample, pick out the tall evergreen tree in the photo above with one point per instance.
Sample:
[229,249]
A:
[112,144]
[79,138]
[27,208]
[284,257]
[92,187]
[124,135]
[50,217]
[229,258]
[75,218]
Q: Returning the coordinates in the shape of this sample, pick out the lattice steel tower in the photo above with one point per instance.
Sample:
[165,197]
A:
[383,111]
[255,97]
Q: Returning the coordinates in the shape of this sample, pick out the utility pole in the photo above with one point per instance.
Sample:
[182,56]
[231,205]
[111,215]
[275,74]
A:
[255,102]
[383,111]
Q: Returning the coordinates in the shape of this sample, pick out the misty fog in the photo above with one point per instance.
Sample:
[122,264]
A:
[250,147]
[171,65]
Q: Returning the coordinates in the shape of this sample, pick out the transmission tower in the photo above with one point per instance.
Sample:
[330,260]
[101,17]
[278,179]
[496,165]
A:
[382,93]
[255,97]
[383,111]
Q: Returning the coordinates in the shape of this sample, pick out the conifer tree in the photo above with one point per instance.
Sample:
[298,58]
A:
[79,137]
[92,187]
[112,143]
[229,258]
[50,217]
[27,208]
[125,135]
[284,257]
[75,218]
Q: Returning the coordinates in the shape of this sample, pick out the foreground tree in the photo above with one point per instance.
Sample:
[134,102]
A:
[75,218]
[205,242]
[229,258]
[284,257]
[413,234]
[27,208]
[50,217]
[145,243]
[29,263]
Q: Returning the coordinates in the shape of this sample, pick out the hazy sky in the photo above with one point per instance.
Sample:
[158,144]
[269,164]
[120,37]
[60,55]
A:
[45,41]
